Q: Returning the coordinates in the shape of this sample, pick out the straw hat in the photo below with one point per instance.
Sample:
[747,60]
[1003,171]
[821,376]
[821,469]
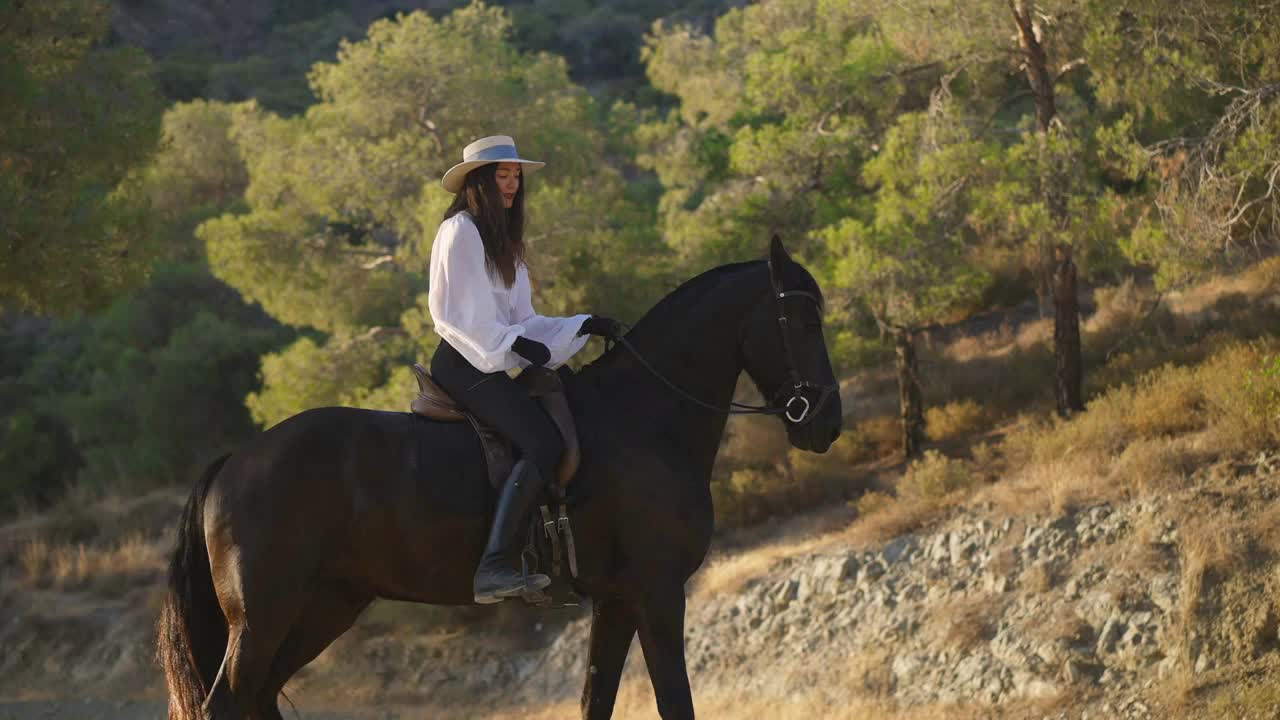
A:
[492,149]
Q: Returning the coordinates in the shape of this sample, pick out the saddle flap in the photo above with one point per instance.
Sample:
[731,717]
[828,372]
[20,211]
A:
[432,400]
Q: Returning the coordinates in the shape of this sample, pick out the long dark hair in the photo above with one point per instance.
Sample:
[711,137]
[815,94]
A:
[501,229]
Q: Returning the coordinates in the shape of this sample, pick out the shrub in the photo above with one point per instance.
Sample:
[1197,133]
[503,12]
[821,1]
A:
[871,439]
[1168,401]
[960,417]
[872,502]
[933,477]
[1242,385]
[1148,463]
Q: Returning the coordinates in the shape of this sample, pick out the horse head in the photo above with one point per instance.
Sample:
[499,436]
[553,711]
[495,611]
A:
[785,354]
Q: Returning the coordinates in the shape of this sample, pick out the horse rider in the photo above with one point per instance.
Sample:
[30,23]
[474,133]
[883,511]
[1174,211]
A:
[480,302]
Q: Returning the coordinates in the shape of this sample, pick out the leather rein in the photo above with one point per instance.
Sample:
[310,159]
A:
[797,386]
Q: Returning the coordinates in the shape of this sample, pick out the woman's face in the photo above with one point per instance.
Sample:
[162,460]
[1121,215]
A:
[508,179]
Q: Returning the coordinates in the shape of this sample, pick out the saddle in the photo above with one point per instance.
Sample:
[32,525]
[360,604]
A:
[542,549]
[543,385]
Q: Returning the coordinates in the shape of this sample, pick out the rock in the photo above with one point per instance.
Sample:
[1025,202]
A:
[898,549]
[962,547]
[1163,591]
[870,572]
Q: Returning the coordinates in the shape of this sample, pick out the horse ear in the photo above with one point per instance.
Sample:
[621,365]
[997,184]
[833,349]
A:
[778,259]
[778,256]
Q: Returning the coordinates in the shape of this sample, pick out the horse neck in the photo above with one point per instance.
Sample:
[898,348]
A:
[691,340]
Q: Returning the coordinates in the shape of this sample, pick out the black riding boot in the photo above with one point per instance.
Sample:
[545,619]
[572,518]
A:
[495,579]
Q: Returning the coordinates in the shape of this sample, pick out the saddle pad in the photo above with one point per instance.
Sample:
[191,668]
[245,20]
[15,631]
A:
[448,463]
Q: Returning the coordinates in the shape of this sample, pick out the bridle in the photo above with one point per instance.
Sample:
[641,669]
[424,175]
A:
[797,384]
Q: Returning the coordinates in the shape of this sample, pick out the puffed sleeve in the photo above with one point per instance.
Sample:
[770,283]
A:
[559,334]
[462,301]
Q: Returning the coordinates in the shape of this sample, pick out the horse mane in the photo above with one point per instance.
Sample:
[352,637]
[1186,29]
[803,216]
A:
[693,289]
[679,300]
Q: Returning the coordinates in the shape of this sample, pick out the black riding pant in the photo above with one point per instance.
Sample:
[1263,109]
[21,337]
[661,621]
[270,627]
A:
[497,401]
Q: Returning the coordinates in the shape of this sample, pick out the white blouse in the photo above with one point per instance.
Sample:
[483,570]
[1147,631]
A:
[476,313]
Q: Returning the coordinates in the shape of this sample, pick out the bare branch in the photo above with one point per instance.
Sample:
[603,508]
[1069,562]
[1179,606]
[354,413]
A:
[378,261]
[1068,67]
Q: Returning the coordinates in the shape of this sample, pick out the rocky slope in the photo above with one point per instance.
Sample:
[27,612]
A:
[1138,608]
[1099,612]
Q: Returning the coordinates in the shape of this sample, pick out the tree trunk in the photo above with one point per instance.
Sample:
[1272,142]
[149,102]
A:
[910,404]
[1057,265]
[1037,63]
[1068,365]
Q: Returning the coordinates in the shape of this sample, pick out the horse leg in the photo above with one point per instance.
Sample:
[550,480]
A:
[244,669]
[661,629]
[259,608]
[613,625]
[328,614]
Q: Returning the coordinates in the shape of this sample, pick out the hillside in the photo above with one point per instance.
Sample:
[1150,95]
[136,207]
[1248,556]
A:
[1122,564]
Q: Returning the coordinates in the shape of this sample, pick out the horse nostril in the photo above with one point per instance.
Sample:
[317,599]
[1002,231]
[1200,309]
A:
[835,433]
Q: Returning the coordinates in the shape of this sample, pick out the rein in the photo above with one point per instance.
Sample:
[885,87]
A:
[798,385]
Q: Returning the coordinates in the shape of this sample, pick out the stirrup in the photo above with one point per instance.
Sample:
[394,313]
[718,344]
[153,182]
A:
[525,584]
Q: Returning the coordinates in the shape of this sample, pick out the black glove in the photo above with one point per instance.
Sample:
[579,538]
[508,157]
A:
[599,325]
[532,350]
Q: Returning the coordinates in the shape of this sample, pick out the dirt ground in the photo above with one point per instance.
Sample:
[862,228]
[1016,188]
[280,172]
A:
[152,710]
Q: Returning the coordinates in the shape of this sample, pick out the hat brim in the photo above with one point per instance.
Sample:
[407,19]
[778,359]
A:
[452,180]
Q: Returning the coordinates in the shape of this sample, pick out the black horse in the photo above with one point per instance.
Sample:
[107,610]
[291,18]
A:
[285,542]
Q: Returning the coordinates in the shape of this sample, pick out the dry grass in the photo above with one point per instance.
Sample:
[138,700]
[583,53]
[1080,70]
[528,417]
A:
[1210,547]
[729,573]
[74,566]
[1151,465]
[1261,279]
[1047,488]
[894,518]
[1144,553]
[1069,630]
[1041,578]
[840,701]
[968,624]
[858,689]
[1259,701]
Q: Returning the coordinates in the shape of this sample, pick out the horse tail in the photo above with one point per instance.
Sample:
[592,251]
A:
[192,632]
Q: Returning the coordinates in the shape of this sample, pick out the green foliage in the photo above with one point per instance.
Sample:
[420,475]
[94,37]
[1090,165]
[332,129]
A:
[341,371]
[1198,82]
[197,174]
[75,121]
[343,201]
[277,75]
[911,262]
[788,94]
[141,395]
[161,380]
[394,110]
[36,449]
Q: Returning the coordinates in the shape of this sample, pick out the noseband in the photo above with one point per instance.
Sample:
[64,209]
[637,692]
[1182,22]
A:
[797,386]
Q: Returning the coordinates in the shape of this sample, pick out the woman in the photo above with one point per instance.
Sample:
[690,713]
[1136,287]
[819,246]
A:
[479,300]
